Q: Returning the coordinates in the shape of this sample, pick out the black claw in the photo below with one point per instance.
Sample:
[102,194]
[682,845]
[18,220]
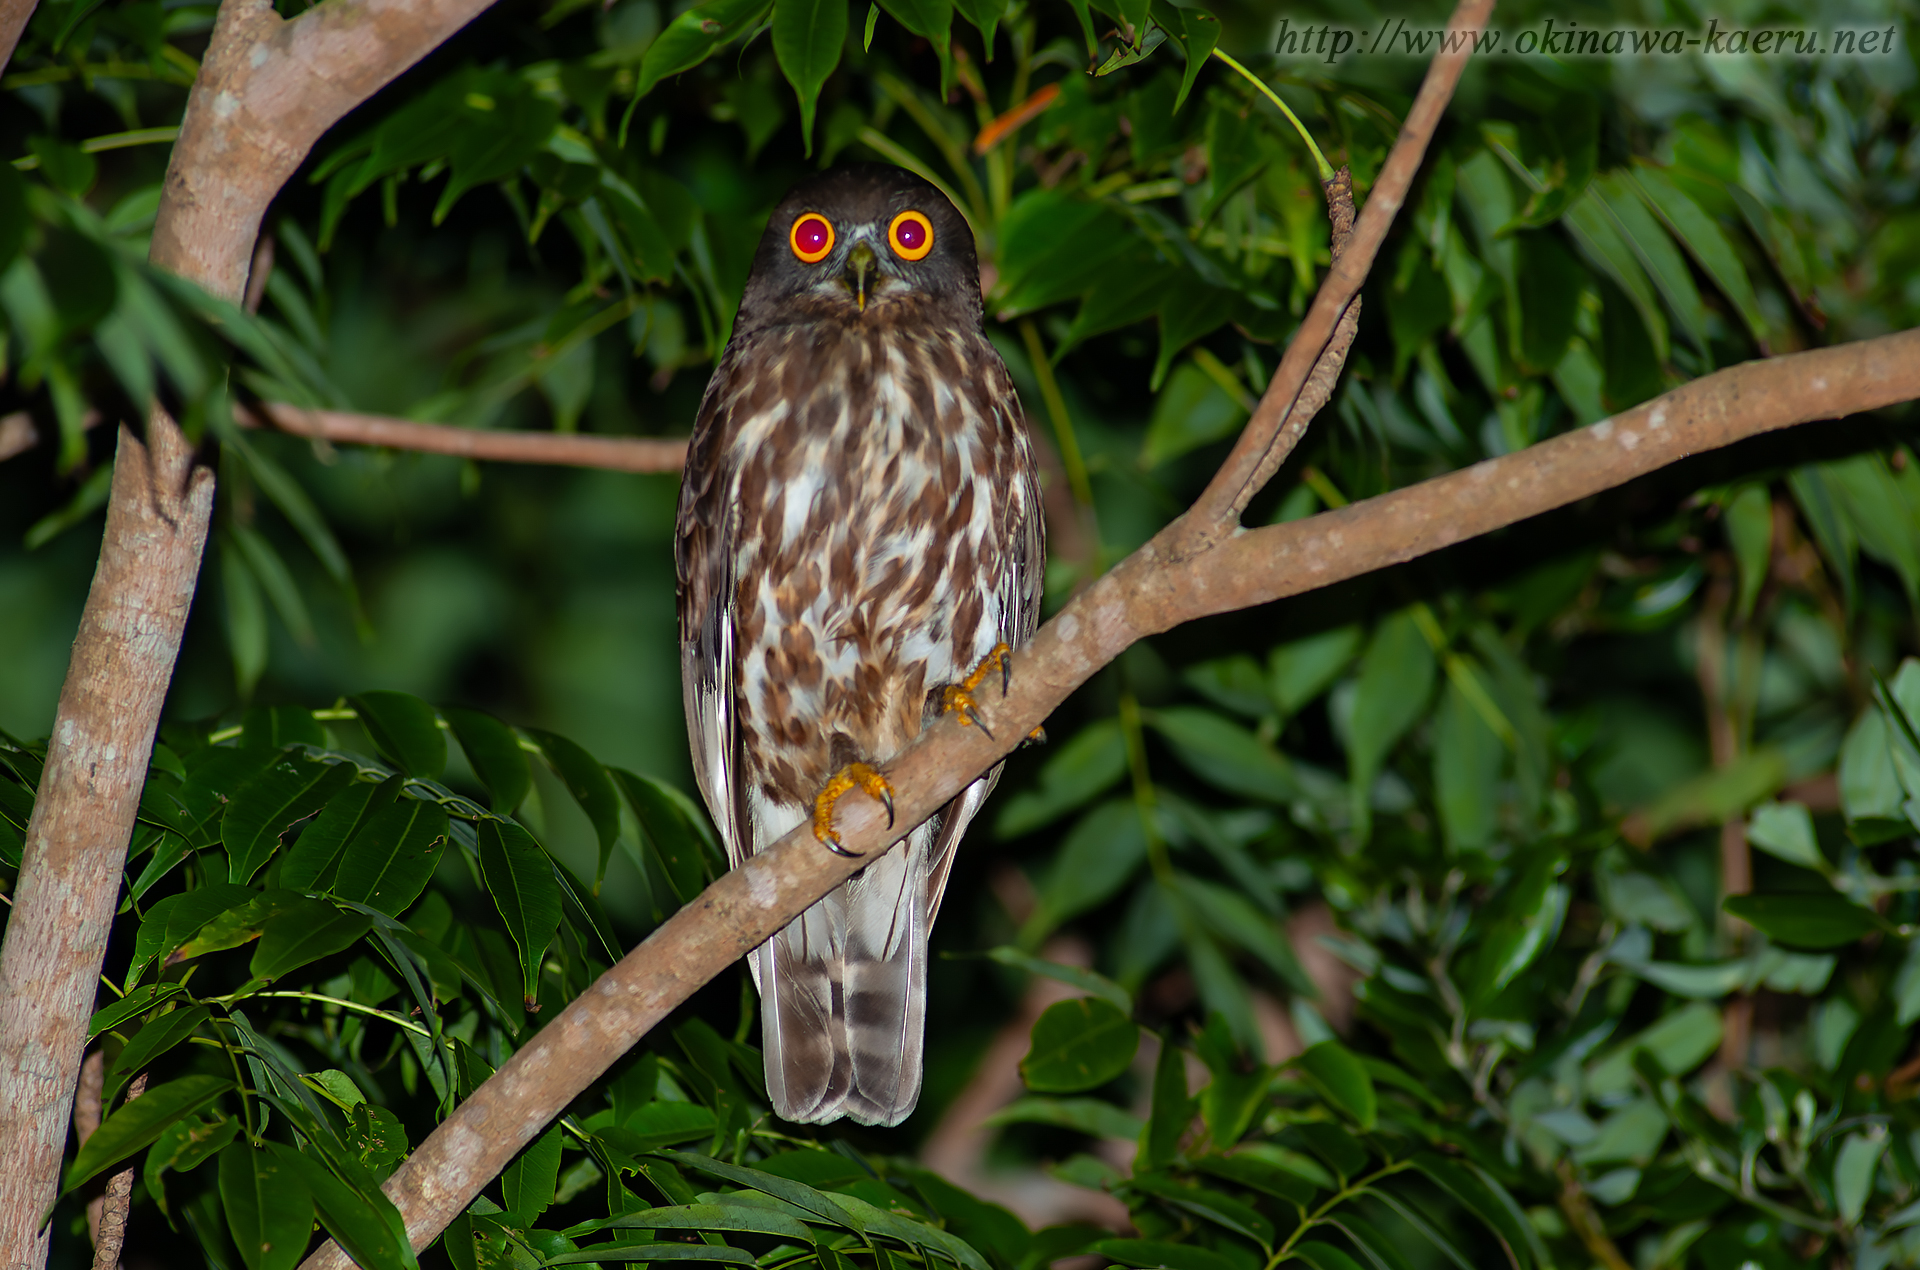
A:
[979,722]
[834,846]
[886,800]
[1006,674]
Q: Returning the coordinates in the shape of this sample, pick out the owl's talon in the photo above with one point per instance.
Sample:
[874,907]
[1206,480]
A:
[1036,737]
[849,778]
[958,698]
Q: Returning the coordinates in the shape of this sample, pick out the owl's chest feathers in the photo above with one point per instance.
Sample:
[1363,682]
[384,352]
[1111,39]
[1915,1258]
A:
[869,539]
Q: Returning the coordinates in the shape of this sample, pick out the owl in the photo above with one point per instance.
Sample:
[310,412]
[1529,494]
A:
[859,545]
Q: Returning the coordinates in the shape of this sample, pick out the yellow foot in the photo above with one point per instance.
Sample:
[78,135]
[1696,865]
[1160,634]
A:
[959,697]
[849,778]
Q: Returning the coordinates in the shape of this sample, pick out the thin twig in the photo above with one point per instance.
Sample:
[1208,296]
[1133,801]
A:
[1217,511]
[110,1233]
[619,454]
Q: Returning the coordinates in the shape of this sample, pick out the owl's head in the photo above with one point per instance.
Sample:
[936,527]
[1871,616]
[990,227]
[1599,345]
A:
[863,244]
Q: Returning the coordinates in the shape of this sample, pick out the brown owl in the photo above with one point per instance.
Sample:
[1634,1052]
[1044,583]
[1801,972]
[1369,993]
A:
[859,543]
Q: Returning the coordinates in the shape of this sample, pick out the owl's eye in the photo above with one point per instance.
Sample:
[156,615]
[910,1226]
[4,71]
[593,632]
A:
[811,238]
[911,235]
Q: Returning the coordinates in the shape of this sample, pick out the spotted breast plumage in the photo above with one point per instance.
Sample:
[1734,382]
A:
[859,541]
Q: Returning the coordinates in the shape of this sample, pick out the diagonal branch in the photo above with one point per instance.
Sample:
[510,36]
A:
[1151,591]
[744,908]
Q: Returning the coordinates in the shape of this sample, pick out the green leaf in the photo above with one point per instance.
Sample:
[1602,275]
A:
[1172,1110]
[807,38]
[1395,681]
[1296,1182]
[1209,1205]
[1653,247]
[1802,919]
[1679,1042]
[150,1042]
[1853,1172]
[305,934]
[932,21]
[406,730]
[136,1002]
[1325,1256]
[367,1227]
[1105,848]
[1189,412]
[1083,1115]
[269,1211]
[1749,519]
[1196,32]
[693,37]
[986,15]
[241,923]
[1597,235]
[1701,235]
[1224,754]
[1302,669]
[277,727]
[183,1146]
[1467,760]
[1548,283]
[520,878]
[1087,981]
[1345,1081]
[1079,1044]
[742,1218]
[1079,771]
[263,808]
[1487,1200]
[390,860]
[590,786]
[1154,1254]
[528,1183]
[170,922]
[139,1122]
[718,1254]
[312,862]
[1786,830]
[493,750]
[1188,310]
[673,829]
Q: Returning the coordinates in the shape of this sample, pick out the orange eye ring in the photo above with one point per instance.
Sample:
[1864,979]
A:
[811,237]
[910,235]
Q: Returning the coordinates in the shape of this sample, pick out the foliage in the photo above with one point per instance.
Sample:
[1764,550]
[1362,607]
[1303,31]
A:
[1517,775]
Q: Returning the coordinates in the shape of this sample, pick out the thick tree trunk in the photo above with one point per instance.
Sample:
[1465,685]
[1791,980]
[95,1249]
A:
[63,906]
[267,90]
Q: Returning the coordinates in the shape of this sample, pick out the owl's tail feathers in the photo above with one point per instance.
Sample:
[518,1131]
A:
[844,996]
[798,974]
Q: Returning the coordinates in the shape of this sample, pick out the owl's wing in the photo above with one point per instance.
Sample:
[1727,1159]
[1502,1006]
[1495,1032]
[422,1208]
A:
[703,558]
[1019,588]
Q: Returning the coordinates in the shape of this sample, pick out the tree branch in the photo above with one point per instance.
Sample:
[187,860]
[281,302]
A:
[745,907]
[14,16]
[619,454]
[1276,426]
[266,91]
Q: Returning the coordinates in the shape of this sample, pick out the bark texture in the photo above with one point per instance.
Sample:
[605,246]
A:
[619,454]
[267,89]
[83,816]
